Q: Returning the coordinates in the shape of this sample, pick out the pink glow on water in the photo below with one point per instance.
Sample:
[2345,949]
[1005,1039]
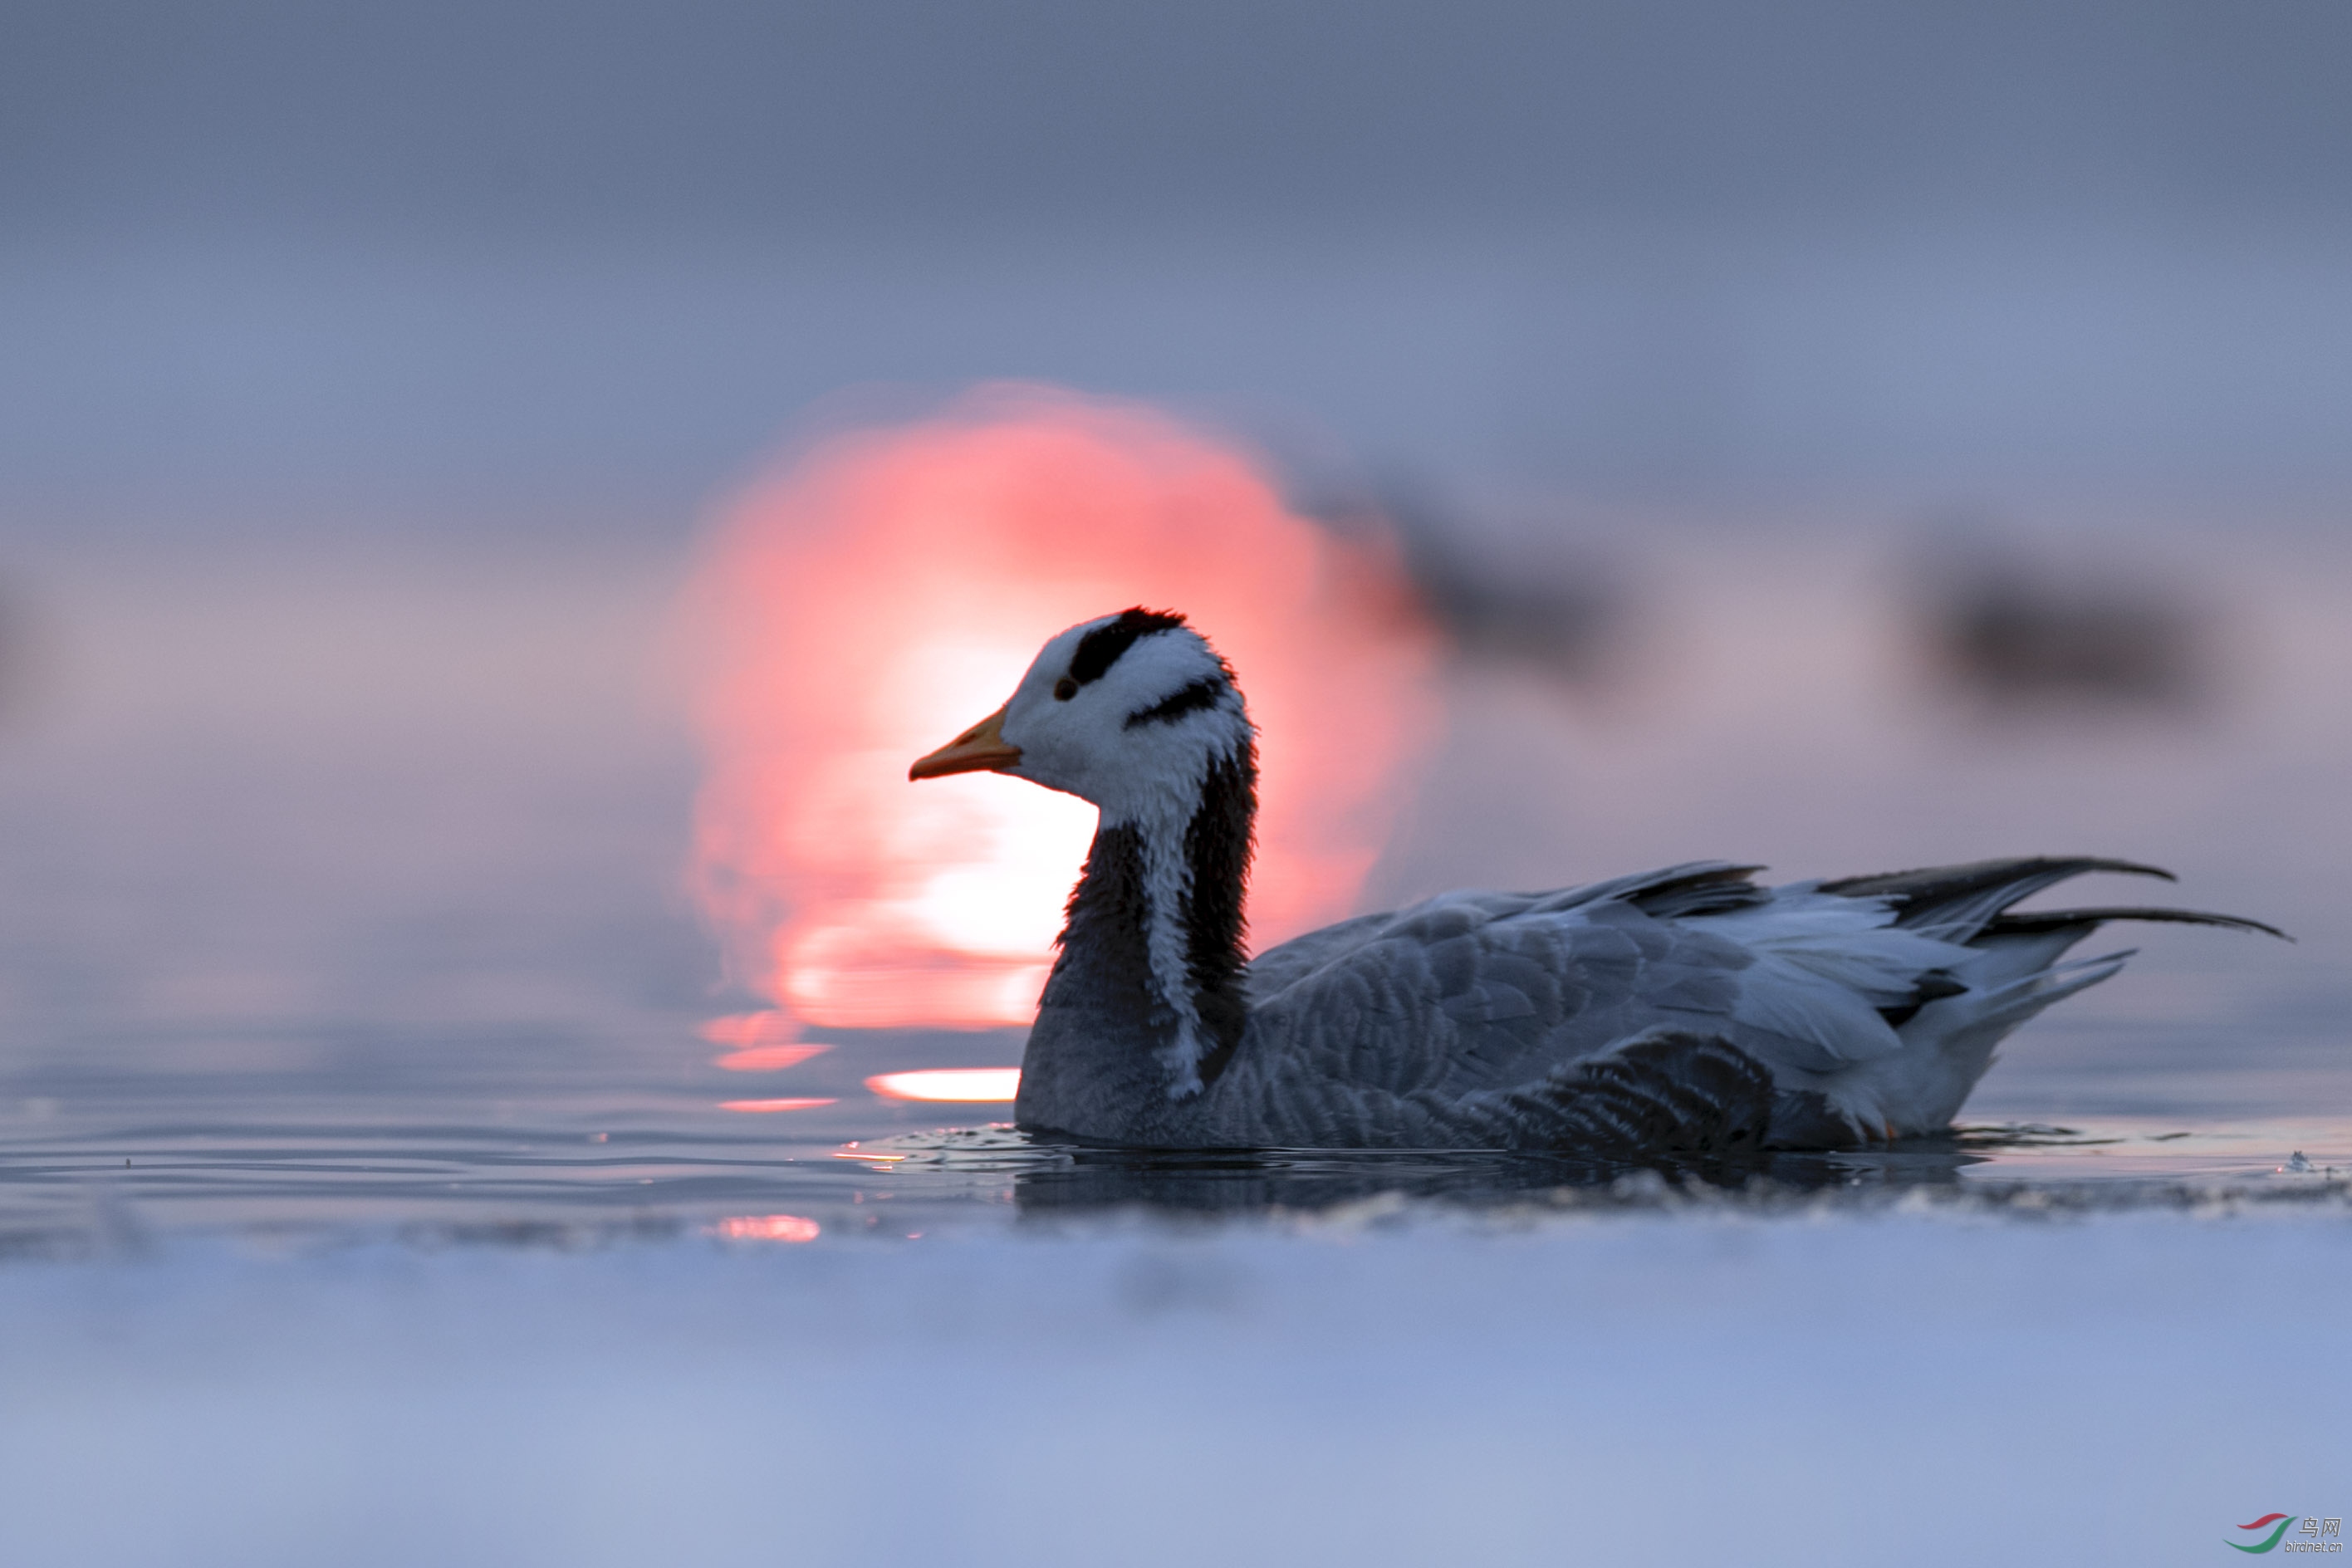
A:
[768,1227]
[768,1058]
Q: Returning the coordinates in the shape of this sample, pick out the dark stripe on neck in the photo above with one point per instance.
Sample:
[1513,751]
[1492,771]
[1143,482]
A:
[1202,693]
[1100,648]
[1106,928]
[1218,844]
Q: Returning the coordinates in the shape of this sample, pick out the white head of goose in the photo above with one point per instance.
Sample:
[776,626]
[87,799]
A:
[1683,1009]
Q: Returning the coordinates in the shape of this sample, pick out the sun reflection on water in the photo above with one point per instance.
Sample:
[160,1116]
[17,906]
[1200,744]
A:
[965,1085]
[767,1228]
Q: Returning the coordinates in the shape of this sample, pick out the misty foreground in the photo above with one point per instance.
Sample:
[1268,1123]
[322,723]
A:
[1927,1383]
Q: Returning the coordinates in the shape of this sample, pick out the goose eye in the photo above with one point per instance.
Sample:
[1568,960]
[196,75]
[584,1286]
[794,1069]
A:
[1065,688]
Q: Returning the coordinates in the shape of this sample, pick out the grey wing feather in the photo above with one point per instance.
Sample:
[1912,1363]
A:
[1474,994]
[1664,1089]
[1278,969]
[1675,890]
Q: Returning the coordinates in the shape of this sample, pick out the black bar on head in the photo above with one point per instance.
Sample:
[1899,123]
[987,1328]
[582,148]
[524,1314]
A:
[1100,648]
[1202,693]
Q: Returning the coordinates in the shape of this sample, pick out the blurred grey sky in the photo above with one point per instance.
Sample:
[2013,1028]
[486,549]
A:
[512,258]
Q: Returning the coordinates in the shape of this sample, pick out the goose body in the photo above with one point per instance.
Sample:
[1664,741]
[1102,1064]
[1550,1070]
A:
[1687,1008]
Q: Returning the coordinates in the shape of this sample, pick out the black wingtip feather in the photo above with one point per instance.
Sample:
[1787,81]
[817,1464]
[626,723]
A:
[2036,920]
[1931,884]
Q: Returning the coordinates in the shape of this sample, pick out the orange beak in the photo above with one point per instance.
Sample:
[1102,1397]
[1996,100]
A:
[982,746]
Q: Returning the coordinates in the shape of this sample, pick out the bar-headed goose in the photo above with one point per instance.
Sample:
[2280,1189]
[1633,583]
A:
[1681,1009]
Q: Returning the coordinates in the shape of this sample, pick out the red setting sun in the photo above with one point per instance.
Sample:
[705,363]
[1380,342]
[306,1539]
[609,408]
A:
[888,588]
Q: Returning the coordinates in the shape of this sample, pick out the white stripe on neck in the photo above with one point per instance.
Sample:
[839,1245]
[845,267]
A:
[1161,825]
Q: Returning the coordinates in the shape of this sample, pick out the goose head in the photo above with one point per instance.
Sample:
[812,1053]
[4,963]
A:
[1137,713]
[1130,711]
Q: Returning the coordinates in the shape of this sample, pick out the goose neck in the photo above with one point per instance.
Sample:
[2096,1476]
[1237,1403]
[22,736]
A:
[1163,891]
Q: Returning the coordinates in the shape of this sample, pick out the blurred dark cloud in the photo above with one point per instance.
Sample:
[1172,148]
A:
[528,254]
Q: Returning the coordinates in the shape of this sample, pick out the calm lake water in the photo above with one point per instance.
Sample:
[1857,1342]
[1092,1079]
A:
[340,893]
